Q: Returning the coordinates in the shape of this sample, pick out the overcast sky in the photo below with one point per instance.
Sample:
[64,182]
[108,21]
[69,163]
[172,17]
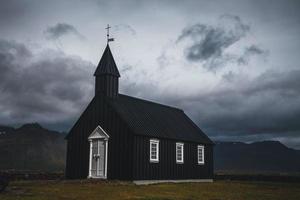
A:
[232,65]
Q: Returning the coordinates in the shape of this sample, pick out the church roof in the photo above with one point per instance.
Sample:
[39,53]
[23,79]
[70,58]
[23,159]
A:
[107,64]
[157,120]
[149,119]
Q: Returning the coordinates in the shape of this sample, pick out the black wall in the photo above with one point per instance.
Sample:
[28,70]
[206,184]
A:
[167,168]
[120,142]
[107,85]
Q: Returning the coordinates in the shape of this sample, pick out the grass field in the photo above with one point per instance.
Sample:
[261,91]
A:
[219,190]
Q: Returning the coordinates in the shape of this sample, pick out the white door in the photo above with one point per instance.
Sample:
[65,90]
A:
[98,158]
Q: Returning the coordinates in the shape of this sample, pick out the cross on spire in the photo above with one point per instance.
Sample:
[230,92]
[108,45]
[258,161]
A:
[107,34]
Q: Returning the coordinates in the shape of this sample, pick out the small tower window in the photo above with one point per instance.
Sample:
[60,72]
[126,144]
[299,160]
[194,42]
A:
[179,152]
[200,154]
[154,150]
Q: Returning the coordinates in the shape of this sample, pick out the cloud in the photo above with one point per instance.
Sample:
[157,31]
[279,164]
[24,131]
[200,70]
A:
[208,43]
[46,87]
[125,28]
[61,29]
[266,107]
[250,51]
[213,47]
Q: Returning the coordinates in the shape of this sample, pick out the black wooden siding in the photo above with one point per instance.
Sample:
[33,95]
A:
[167,168]
[119,146]
[107,85]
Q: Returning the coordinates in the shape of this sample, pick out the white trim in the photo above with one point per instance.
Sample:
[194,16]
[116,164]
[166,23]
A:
[90,160]
[106,150]
[156,143]
[98,134]
[181,146]
[200,161]
[147,182]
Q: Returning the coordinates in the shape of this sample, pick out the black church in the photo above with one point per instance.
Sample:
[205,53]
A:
[127,138]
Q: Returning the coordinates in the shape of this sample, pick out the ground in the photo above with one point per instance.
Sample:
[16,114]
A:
[219,190]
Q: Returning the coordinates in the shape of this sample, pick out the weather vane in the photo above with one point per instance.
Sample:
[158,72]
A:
[108,39]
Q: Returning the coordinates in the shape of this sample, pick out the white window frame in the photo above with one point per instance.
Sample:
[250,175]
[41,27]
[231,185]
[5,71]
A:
[156,143]
[180,161]
[201,160]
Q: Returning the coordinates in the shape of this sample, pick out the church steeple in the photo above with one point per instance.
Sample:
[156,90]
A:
[107,75]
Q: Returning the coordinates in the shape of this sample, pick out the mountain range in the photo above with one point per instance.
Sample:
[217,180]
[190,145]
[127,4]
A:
[256,157]
[32,147]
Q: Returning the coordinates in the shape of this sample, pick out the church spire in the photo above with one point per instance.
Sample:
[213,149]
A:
[107,64]
[107,74]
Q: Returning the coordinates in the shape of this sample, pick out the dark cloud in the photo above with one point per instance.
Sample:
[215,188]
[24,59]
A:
[268,104]
[126,28]
[61,29]
[210,42]
[254,50]
[250,51]
[36,87]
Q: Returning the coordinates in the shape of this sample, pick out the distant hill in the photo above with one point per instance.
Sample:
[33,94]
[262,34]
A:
[31,147]
[267,156]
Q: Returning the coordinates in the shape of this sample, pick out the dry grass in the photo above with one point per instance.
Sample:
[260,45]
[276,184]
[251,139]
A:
[219,190]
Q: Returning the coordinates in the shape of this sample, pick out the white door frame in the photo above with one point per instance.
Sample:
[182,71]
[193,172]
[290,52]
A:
[98,134]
